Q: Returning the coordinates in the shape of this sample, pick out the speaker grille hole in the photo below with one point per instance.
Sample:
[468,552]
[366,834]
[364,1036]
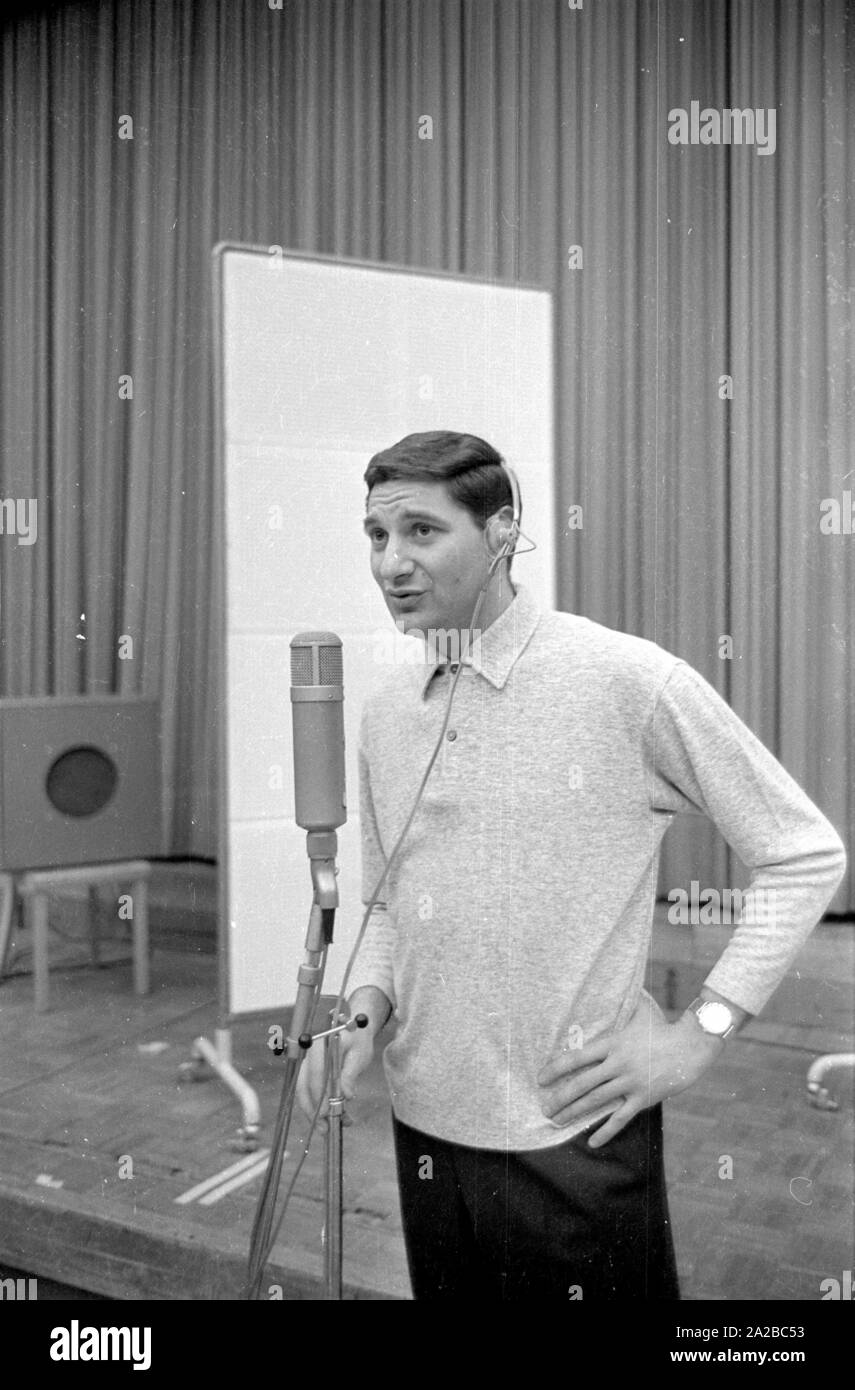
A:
[81,781]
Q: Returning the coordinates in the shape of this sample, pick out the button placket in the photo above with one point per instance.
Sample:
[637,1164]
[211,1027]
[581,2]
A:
[449,768]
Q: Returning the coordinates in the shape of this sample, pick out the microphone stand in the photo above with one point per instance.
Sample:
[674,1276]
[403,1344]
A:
[334,1170]
[321,847]
[334,1151]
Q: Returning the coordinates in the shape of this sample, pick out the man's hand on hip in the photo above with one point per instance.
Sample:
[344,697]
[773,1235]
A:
[642,1064]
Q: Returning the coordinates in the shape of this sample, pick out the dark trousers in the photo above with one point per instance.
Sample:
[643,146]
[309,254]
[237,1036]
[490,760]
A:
[566,1222]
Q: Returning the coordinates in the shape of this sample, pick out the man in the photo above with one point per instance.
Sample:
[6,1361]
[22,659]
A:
[529,1064]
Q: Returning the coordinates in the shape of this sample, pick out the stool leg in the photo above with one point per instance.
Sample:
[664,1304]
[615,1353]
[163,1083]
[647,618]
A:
[142,982]
[40,950]
[7,913]
[94,924]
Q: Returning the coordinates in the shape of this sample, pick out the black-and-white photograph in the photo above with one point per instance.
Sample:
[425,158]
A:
[427,664]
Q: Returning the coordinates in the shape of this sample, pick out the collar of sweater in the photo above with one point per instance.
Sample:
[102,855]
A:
[493,655]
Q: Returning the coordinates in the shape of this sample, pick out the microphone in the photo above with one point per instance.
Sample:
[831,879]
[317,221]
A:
[317,719]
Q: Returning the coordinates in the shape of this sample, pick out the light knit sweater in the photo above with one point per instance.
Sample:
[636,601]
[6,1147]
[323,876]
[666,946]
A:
[521,905]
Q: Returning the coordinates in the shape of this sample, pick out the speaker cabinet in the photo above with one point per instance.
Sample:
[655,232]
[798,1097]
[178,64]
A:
[79,781]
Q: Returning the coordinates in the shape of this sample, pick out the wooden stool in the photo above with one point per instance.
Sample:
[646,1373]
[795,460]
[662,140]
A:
[35,887]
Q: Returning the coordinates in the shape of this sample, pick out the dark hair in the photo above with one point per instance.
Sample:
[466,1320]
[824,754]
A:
[469,467]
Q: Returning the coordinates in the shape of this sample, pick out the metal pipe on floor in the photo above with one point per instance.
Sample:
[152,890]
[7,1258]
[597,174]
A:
[818,1092]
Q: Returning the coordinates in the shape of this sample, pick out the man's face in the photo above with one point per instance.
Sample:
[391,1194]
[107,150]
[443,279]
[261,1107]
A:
[428,554]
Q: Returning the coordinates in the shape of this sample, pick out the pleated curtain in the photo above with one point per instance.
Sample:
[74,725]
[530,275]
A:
[704,347]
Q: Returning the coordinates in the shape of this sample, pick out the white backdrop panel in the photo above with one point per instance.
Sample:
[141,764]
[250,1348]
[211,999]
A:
[323,363]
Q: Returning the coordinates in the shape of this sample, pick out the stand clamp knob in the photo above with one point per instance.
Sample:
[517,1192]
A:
[305,1040]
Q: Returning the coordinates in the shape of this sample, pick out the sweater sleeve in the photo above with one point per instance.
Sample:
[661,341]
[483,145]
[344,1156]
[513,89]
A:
[704,758]
[373,964]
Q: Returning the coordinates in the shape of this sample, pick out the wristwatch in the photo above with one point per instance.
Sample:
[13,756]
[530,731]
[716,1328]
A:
[714,1017]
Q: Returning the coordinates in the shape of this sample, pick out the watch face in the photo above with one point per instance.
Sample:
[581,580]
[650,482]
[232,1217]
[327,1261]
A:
[714,1017]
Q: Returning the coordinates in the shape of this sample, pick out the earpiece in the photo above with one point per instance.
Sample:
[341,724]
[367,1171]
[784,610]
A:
[506,537]
[499,537]
[511,534]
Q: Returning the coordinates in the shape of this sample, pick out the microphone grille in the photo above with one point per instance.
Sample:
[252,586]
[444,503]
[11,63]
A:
[301,666]
[329,659]
[316,659]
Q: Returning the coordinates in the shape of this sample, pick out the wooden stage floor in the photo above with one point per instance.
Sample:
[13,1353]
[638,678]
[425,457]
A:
[95,1083]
